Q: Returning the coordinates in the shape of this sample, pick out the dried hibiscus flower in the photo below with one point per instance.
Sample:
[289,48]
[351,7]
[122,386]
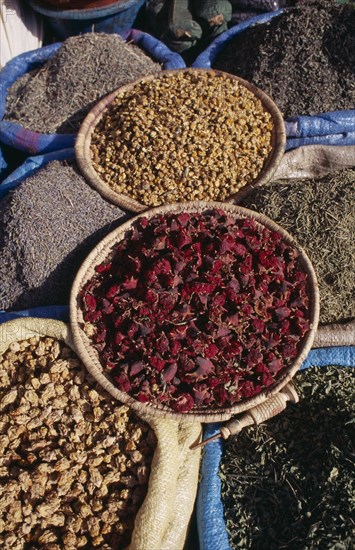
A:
[197,310]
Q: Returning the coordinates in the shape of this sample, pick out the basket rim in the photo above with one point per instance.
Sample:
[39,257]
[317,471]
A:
[83,139]
[90,356]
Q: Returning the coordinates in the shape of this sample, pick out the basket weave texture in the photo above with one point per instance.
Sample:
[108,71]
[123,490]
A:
[90,357]
[83,141]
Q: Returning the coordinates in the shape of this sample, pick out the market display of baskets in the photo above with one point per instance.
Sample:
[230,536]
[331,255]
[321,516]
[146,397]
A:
[90,356]
[193,312]
[84,138]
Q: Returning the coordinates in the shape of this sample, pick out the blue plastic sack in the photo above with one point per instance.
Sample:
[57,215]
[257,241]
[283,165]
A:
[3,164]
[118,17]
[31,165]
[14,134]
[333,122]
[61,313]
[210,518]
[10,159]
[34,143]
[332,128]
[346,138]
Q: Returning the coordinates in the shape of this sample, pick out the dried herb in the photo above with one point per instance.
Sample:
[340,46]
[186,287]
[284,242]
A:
[57,97]
[50,223]
[320,214]
[304,58]
[197,310]
[182,136]
[289,483]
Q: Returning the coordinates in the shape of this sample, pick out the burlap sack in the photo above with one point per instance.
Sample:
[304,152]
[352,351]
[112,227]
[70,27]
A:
[315,161]
[162,521]
[335,335]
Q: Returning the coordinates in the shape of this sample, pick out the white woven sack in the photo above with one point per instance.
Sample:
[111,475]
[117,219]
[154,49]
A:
[21,29]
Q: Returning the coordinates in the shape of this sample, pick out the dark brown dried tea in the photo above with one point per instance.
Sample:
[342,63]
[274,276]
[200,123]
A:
[304,58]
[320,214]
[289,483]
[57,97]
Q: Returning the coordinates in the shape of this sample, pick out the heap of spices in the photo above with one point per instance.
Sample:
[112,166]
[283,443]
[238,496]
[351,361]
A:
[289,483]
[75,464]
[182,136]
[304,58]
[57,97]
[320,214]
[197,311]
[49,225]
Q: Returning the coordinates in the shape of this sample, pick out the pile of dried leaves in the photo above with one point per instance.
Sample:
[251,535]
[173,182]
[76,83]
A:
[197,310]
[289,483]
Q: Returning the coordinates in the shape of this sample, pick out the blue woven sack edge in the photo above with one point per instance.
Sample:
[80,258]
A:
[157,49]
[330,128]
[30,166]
[18,137]
[347,138]
[209,508]
[60,313]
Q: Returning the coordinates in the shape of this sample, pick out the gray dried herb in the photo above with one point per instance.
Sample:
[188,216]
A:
[50,223]
[57,97]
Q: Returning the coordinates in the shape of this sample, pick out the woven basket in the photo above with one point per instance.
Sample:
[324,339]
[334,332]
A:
[90,356]
[83,141]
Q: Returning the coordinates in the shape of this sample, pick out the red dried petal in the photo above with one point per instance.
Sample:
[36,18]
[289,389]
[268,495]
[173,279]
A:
[205,366]
[92,316]
[112,291]
[184,403]
[183,218]
[157,363]
[151,297]
[89,302]
[130,283]
[162,343]
[142,397]
[282,312]
[169,372]
[123,382]
[136,368]
[103,268]
[211,351]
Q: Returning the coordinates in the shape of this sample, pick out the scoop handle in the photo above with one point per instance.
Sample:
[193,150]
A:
[262,412]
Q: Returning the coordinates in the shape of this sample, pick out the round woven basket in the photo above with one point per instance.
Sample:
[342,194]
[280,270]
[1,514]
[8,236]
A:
[90,356]
[83,141]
